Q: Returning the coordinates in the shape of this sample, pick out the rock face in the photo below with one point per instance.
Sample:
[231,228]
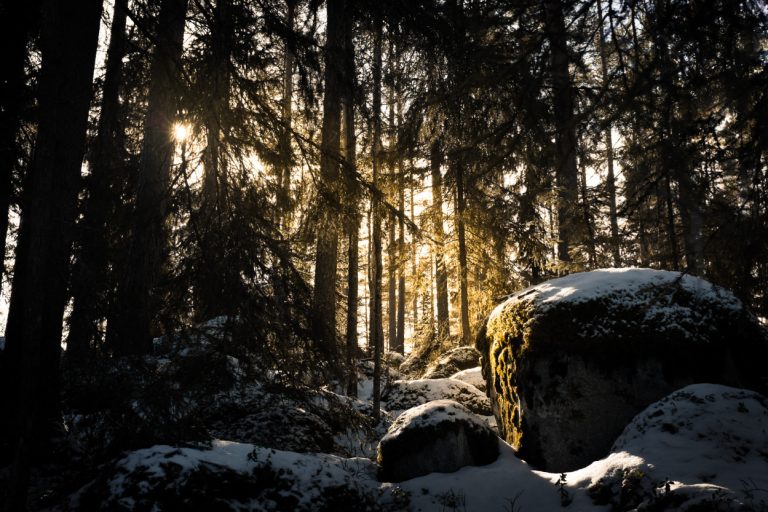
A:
[570,362]
[439,436]
[455,360]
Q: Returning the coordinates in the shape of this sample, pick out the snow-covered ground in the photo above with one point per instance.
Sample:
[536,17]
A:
[703,446]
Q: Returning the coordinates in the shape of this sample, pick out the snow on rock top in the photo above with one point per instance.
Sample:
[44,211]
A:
[671,302]
[704,431]
[432,414]
[622,285]
[235,476]
[473,376]
[404,394]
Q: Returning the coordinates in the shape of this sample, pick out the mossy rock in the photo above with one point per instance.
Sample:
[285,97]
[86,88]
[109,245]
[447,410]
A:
[568,363]
[455,360]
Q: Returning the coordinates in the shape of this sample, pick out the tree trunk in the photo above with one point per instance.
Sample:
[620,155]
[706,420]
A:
[324,299]
[610,181]
[588,220]
[16,26]
[441,274]
[69,37]
[212,296]
[353,218]
[376,336]
[400,344]
[130,330]
[460,229]
[414,261]
[392,263]
[90,272]
[286,154]
[566,173]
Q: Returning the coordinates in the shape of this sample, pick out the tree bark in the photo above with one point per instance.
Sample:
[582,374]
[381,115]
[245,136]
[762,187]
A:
[566,173]
[353,193]
[90,272]
[441,274]
[376,336]
[324,299]
[400,342]
[16,26]
[130,329]
[610,181]
[462,239]
[286,154]
[212,296]
[69,37]
[392,263]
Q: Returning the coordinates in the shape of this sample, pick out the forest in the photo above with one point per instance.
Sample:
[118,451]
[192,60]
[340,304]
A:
[216,210]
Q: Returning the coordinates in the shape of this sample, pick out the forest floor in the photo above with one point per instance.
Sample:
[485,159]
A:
[704,447]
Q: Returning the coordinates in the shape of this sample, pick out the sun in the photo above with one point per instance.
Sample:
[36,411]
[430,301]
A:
[180,132]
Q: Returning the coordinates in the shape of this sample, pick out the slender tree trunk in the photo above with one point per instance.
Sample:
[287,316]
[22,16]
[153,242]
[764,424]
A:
[212,297]
[461,230]
[130,330]
[286,154]
[566,172]
[689,201]
[89,275]
[441,273]
[324,299]
[69,37]
[674,256]
[376,336]
[392,263]
[16,26]
[353,218]
[414,260]
[400,344]
[610,181]
[588,220]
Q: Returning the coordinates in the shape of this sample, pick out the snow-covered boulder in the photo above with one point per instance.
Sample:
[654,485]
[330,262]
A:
[571,361]
[704,447]
[439,436]
[473,376]
[234,476]
[405,394]
[459,358]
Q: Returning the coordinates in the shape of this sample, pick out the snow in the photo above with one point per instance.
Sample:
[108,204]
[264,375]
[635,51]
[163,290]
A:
[309,474]
[432,414]
[404,394]
[649,291]
[472,376]
[704,433]
[621,284]
[705,443]
[719,452]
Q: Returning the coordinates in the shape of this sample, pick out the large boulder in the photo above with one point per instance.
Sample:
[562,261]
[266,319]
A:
[455,360]
[570,362]
[440,436]
[702,446]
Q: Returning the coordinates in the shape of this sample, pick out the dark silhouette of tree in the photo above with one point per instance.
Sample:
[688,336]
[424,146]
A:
[69,34]
[130,329]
